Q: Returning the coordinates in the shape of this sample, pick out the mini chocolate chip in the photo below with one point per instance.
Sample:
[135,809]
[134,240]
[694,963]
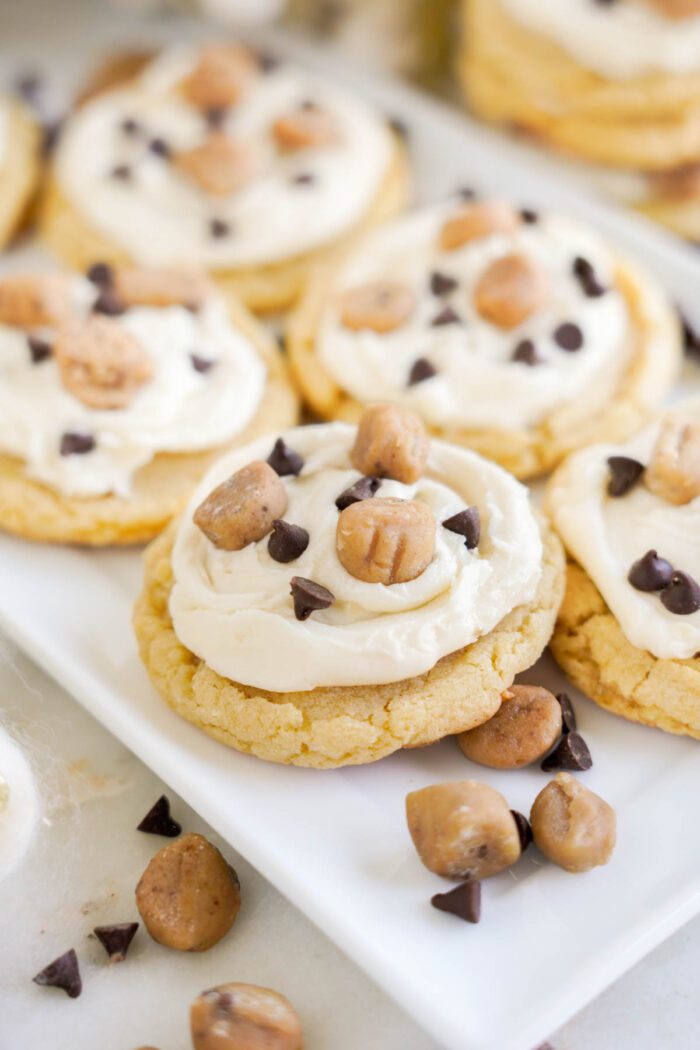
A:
[116,939]
[568,715]
[74,444]
[121,172]
[40,349]
[682,595]
[691,338]
[64,973]
[400,127]
[304,178]
[202,364]
[442,283]
[287,542]
[130,127]
[446,316]
[526,353]
[362,489]
[570,753]
[466,523]
[625,472]
[569,337]
[219,228]
[308,104]
[268,61]
[466,193]
[464,901]
[158,820]
[421,369]
[216,116]
[586,275]
[160,147]
[524,829]
[529,216]
[109,304]
[101,274]
[50,134]
[284,460]
[650,573]
[309,597]
[29,85]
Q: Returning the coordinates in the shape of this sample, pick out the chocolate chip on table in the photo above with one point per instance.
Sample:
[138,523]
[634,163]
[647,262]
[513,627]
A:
[421,369]
[650,573]
[158,820]
[64,973]
[219,228]
[570,753]
[524,829]
[446,316]
[75,444]
[39,349]
[625,472]
[463,901]
[568,715]
[101,274]
[441,283]
[586,276]
[466,523]
[362,489]
[122,172]
[116,939]
[529,216]
[569,337]
[159,147]
[682,595]
[287,542]
[202,364]
[284,460]
[309,597]
[109,304]
[526,353]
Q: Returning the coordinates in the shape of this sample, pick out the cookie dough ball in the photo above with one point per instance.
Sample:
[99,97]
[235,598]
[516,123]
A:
[463,830]
[391,442]
[526,726]
[188,896]
[242,509]
[572,826]
[244,1017]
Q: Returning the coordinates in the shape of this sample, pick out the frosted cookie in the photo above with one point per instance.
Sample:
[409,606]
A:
[520,335]
[311,608]
[628,633]
[117,392]
[218,158]
[617,84]
[19,165]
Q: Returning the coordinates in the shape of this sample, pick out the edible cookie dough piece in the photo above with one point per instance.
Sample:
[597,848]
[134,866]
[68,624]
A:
[678,8]
[386,540]
[572,826]
[34,300]
[381,306]
[242,509]
[525,727]
[476,220]
[674,470]
[510,290]
[101,363]
[391,442]
[220,76]
[239,1016]
[188,896]
[463,830]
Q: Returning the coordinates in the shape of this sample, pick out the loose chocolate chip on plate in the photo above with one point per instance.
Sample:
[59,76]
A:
[74,444]
[568,715]
[158,820]
[529,216]
[570,753]
[682,595]
[526,353]
[160,147]
[362,489]
[466,523]
[101,274]
[446,316]
[39,349]
[421,369]
[625,472]
[284,460]
[569,337]
[116,939]
[122,172]
[309,597]
[442,283]
[586,276]
[130,127]
[287,542]
[464,901]
[202,364]
[524,829]
[218,228]
[64,973]
[650,573]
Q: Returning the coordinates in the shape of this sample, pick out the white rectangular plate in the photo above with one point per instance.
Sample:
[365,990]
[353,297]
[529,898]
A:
[336,842]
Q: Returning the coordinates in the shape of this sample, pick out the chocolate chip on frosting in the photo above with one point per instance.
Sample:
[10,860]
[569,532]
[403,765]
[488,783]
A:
[101,274]
[63,973]
[441,283]
[109,303]
[650,573]
[421,369]
[391,442]
[202,364]
[529,216]
[242,509]
[466,523]
[39,349]
[380,306]
[362,489]
[570,753]
[526,353]
[284,460]
[386,541]
[511,289]
[674,471]
[569,337]
[158,820]
[116,939]
[682,595]
[446,316]
[463,901]
[160,148]
[121,172]
[625,472]
[219,228]
[309,597]
[585,274]
[287,542]
[75,444]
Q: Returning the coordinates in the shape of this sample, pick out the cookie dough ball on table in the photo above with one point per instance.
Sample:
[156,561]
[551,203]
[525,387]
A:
[244,1017]
[572,826]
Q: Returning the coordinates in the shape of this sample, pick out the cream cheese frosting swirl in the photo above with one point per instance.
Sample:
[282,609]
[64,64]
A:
[620,41]
[607,535]
[296,201]
[179,409]
[234,610]
[477,384]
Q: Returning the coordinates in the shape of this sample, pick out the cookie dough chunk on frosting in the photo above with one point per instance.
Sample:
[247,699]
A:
[519,334]
[214,158]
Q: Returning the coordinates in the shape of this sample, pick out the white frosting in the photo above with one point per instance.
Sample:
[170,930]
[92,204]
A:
[607,535]
[620,41]
[19,805]
[477,384]
[234,609]
[161,218]
[177,410]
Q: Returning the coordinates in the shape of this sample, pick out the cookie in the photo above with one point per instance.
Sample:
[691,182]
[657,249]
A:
[521,337]
[169,180]
[19,165]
